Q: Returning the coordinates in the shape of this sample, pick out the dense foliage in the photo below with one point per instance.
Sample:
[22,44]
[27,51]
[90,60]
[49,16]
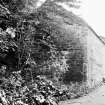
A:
[33,65]
[16,91]
[26,50]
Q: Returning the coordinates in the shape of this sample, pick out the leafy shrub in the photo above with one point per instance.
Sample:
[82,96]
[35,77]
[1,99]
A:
[41,91]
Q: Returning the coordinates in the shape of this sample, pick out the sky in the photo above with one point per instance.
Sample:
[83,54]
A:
[92,11]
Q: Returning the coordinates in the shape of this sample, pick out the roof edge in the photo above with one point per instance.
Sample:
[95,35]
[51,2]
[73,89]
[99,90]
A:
[96,34]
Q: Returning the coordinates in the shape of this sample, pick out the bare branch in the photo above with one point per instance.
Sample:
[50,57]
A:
[5,9]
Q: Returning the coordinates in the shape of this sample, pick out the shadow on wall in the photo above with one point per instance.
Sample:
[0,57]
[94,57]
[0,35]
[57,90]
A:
[75,72]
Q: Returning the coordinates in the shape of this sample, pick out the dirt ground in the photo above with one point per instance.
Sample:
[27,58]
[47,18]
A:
[97,97]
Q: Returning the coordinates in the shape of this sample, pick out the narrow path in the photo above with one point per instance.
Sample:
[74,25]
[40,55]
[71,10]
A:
[97,97]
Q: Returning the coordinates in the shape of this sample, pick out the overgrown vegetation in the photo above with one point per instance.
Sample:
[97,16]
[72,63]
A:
[33,66]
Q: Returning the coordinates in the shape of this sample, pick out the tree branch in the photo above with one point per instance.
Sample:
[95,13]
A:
[1,6]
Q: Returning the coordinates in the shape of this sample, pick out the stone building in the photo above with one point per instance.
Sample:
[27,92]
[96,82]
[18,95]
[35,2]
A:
[84,49]
[95,58]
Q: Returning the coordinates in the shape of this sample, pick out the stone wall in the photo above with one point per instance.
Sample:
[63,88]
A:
[93,53]
[77,57]
[96,59]
[74,36]
[85,42]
